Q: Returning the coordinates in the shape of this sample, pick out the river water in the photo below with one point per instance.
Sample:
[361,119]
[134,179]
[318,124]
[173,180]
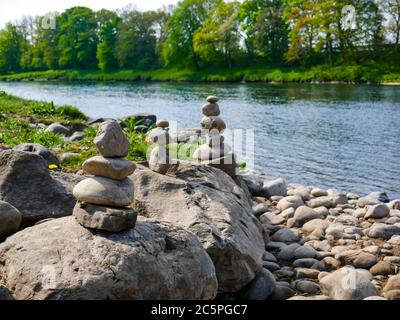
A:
[341,136]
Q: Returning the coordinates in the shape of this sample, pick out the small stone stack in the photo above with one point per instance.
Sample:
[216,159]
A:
[104,199]
[159,157]
[215,152]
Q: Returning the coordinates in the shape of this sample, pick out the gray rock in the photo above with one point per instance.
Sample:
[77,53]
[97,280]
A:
[377,211]
[287,253]
[111,141]
[40,150]
[337,197]
[348,284]
[104,191]
[261,287]
[301,191]
[302,215]
[98,121]
[58,128]
[104,218]
[307,286]
[5,294]
[141,129]
[211,109]
[282,292]
[145,119]
[208,203]
[61,260]
[76,136]
[259,209]
[357,258]
[305,252]
[26,183]
[113,168]
[304,263]
[10,219]
[271,218]
[290,202]
[314,224]
[391,290]
[269,257]
[271,266]
[323,201]
[373,199]
[274,188]
[383,231]
[285,235]
[162,124]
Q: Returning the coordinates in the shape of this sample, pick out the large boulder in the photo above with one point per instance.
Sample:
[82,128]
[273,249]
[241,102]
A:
[210,204]
[61,260]
[26,183]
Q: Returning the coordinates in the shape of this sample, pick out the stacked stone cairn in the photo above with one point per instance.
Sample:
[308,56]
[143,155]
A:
[159,157]
[104,199]
[215,152]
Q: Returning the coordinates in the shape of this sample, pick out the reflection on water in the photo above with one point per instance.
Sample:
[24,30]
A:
[340,136]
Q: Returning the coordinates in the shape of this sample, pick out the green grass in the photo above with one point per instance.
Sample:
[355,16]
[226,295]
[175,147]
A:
[374,73]
[20,122]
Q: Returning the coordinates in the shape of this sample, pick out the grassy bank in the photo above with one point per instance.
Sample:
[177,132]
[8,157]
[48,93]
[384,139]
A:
[23,121]
[353,74]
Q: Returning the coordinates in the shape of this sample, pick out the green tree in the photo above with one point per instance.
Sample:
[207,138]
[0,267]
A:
[218,40]
[188,17]
[11,45]
[108,22]
[77,42]
[392,10]
[266,32]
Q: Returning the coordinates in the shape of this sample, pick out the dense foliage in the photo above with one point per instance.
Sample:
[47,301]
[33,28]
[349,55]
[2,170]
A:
[207,34]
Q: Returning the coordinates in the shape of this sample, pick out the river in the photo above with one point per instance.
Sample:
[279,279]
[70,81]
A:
[341,136]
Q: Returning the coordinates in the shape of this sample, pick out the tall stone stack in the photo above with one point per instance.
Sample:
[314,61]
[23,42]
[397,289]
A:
[215,151]
[159,157]
[104,200]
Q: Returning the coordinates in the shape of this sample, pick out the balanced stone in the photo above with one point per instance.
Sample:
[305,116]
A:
[206,153]
[104,218]
[213,123]
[211,109]
[111,141]
[104,191]
[212,99]
[113,168]
[162,124]
[159,160]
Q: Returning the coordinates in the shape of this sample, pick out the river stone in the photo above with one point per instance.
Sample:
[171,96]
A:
[274,188]
[373,199]
[58,128]
[348,284]
[305,252]
[381,268]
[290,202]
[377,211]
[394,205]
[261,287]
[302,215]
[104,218]
[384,231]
[299,190]
[317,192]
[271,218]
[26,184]
[162,124]
[212,99]
[61,260]
[315,224]
[282,292]
[304,263]
[307,286]
[5,294]
[211,109]
[208,202]
[357,258]
[286,236]
[111,141]
[68,156]
[113,168]
[104,191]
[76,136]
[323,201]
[40,150]
[10,219]
[144,119]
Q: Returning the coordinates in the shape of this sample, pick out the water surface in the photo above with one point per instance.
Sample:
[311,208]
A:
[341,136]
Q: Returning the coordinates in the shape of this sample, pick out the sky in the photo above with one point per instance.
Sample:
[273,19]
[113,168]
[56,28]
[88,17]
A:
[10,10]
